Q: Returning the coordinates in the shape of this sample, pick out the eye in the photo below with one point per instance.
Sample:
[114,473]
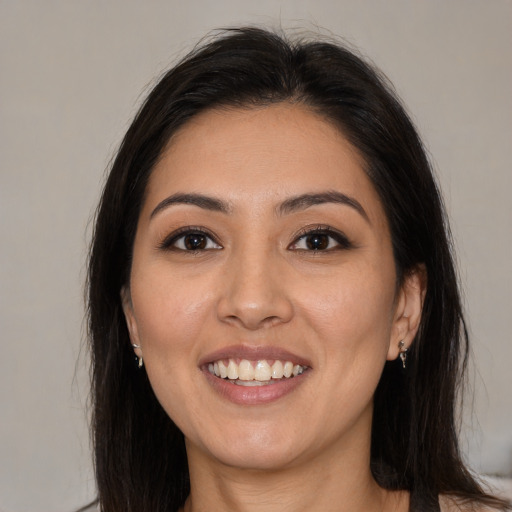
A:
[321,239]
[191,240]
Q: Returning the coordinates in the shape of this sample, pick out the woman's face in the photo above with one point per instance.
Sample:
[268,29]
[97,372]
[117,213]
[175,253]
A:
[262,249]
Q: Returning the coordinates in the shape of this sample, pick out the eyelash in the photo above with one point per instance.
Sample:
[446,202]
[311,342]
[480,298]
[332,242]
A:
[169,243]
[342,242]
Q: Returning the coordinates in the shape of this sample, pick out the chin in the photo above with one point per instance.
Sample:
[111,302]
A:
[254,449]
[258,458]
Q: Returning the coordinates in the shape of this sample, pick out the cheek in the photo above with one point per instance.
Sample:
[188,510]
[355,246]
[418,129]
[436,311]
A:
[351,322]
[170,312]
[350,309]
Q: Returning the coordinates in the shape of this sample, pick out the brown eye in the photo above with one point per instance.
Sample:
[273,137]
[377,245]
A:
[321,239]
[191,240]
[194,241]
[317,241]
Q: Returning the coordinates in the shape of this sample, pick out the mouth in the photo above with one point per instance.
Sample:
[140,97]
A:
[254,375]
[250,373]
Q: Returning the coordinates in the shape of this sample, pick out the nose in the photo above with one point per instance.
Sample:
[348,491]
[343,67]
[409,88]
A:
[254,292]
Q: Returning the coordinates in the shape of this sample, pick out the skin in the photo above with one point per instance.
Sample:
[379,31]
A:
[257,284]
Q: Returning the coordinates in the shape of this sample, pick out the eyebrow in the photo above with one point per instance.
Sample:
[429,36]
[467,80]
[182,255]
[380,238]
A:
[291,205]
[200,200]
[305,201]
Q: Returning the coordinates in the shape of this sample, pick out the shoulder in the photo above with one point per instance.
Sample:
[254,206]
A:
[454,504]
[499,487]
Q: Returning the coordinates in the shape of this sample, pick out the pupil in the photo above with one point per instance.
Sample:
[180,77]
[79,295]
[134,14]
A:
[195,241]
[317,242]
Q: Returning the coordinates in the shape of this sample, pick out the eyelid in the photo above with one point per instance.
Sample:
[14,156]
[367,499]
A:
[340,237]
[169,240]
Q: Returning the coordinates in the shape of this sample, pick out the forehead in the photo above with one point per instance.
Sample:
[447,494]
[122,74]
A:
[249,155]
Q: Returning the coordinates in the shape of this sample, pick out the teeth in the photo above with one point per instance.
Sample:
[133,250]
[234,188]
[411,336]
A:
[277,370]
[288,369]
[223,371]
[232,370]
[262,371]
[255,373]
[251,383]
[245,370]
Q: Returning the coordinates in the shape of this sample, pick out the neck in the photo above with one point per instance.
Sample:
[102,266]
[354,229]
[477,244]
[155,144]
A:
[337,480]
[295,491]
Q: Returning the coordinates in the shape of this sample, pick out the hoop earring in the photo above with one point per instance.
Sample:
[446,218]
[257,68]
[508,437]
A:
[141,362]
[403,352]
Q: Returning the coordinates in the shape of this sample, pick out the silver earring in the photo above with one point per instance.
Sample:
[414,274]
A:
[141,362]
[403,352]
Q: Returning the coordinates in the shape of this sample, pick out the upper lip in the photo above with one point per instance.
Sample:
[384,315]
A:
[253,353]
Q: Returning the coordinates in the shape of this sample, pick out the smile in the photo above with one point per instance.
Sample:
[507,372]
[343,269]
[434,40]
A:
[255,373]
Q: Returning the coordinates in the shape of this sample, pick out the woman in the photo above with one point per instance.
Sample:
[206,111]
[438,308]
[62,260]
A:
[272,247]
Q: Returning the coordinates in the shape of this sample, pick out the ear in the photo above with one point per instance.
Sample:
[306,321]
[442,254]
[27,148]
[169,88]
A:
[131,322]
[409,305]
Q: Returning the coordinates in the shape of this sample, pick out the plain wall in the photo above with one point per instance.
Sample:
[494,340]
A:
[71,76]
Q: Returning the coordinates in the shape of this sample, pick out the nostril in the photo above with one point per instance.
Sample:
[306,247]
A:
[254,319]
[254,322]
[253,300]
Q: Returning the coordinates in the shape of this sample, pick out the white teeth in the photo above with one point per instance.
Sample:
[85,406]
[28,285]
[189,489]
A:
[254,373]
[223,371]
[245,370]
[262,371]
[251,383]
[232,370]
[277,370]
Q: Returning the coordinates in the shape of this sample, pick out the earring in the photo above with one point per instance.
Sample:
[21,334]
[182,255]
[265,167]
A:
[403,352]
[141,362]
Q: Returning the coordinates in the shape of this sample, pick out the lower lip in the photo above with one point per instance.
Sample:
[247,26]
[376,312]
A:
[254,395]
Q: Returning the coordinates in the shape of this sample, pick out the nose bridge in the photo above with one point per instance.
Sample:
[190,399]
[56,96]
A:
[254,293]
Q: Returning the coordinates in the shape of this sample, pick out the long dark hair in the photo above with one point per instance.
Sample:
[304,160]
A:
[140,456]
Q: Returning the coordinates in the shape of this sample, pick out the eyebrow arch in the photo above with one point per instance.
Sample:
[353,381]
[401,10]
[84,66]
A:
[307,200]
[205,202]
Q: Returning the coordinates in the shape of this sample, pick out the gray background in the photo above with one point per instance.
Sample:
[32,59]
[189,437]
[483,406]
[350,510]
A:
[71,76]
